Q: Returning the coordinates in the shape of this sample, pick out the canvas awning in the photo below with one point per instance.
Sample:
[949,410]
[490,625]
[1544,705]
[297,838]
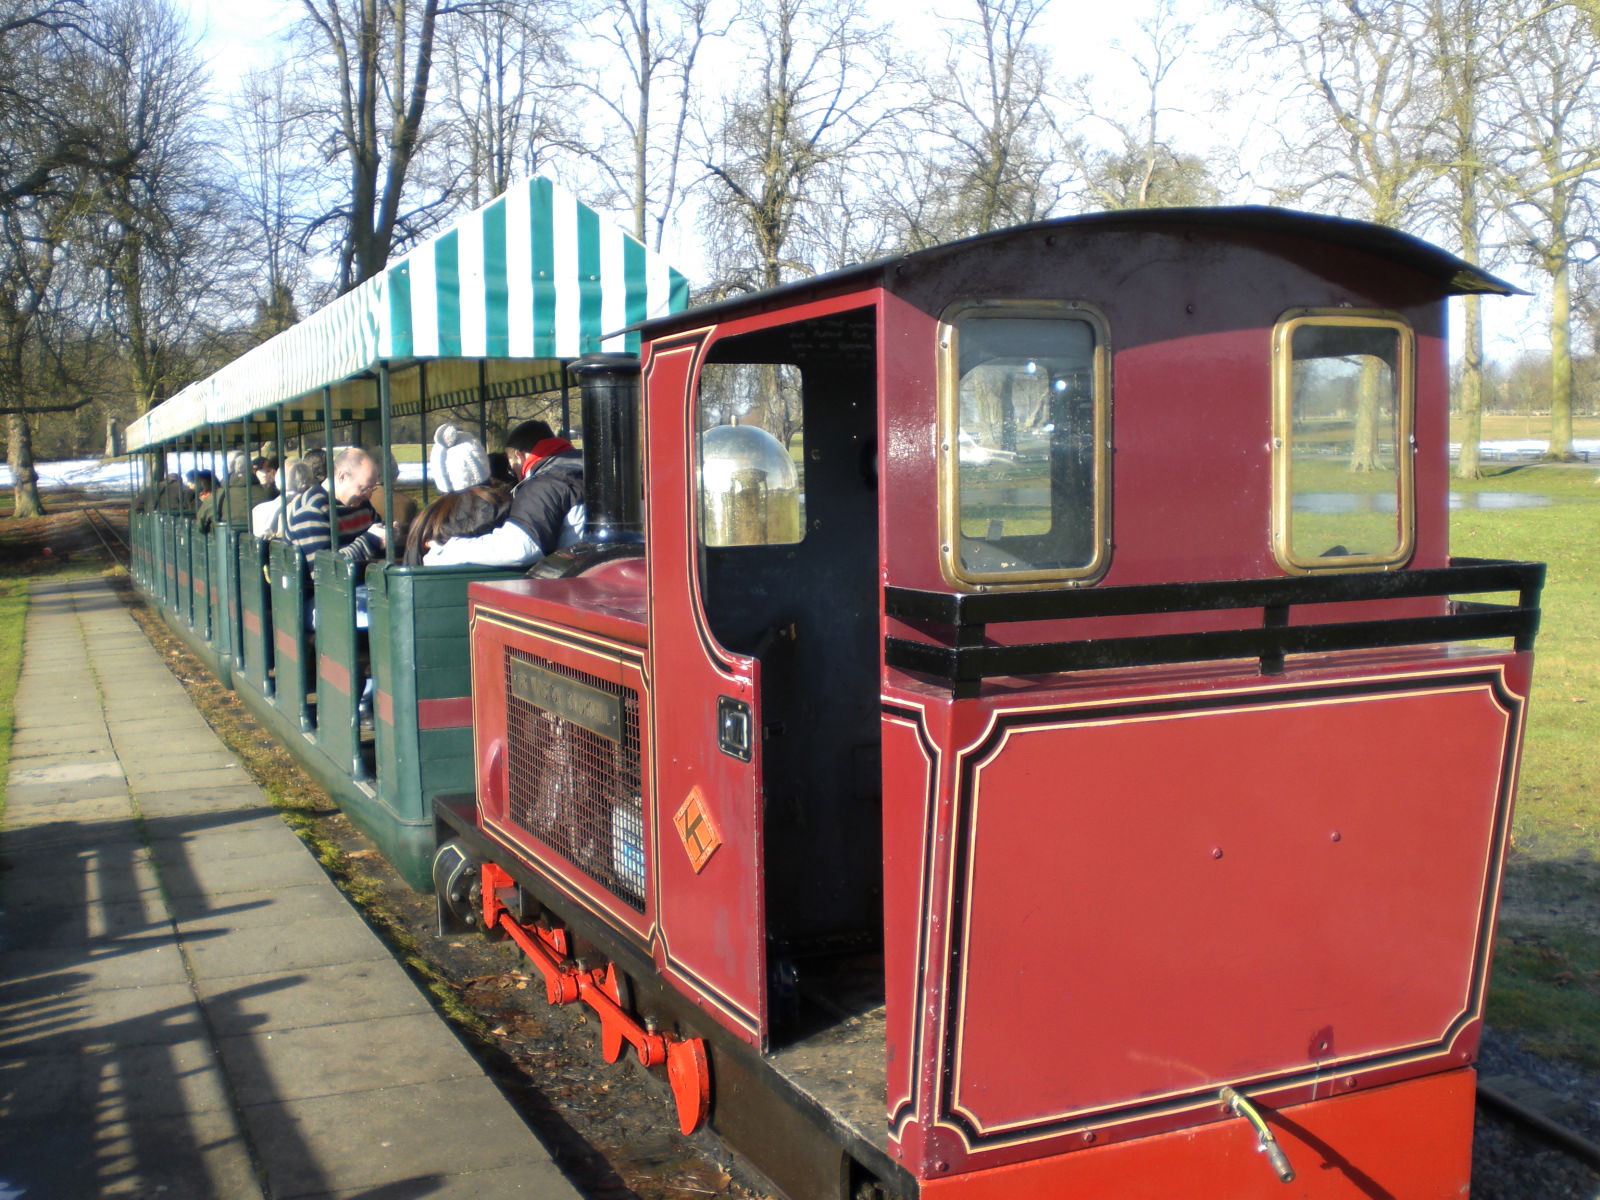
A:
[531,280]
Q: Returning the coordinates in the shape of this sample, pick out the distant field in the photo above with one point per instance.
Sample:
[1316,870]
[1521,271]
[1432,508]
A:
[1497,426]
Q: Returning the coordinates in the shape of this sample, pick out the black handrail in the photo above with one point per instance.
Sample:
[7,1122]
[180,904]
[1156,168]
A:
[961,656]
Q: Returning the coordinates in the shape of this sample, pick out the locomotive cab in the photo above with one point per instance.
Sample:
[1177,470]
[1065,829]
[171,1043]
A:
[1040,750]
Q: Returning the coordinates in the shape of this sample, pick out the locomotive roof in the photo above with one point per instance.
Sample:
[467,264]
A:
[1455,275]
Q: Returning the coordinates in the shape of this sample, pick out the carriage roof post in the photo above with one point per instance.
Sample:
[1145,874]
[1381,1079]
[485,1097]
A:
[385,430]
[422,426]
[327,450]
[483,402]
[282,473]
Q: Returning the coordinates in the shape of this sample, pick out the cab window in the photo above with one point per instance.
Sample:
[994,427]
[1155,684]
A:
[1024,401]
[1342,443]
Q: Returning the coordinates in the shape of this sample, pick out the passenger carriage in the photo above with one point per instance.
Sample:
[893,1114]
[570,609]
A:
[1038,745]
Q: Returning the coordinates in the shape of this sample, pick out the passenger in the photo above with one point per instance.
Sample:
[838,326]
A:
[472,502]
[205,491]
[361,538]
[267,518]
[402,507]
[234,504]
[317,460]
[266,469]
[546,510]
[500,469]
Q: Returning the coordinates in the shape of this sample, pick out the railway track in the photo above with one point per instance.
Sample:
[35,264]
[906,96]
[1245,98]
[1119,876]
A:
[115,545]
[1532,1141]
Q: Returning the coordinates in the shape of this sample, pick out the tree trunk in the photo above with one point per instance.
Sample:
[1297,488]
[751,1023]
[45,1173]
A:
[1561,366]
[1364,443]
[1468,466]
[25,485]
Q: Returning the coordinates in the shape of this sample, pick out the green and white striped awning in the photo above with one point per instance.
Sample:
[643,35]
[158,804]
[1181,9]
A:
[533,277]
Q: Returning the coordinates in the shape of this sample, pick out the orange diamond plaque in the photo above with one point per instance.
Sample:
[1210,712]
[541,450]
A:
[696,830]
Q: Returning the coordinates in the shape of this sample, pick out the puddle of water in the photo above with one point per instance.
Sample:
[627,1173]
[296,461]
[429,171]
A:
[1333,503]
[1499,500]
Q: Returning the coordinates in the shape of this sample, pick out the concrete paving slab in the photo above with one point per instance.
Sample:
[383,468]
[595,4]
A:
[150,1080]
[108,875]
[215,827]
[284,906]
[175,728]
[329,1060]
[286,866]
[205,779]
[131,962]
[246,950]
[198,1155]
[48,792]
[50,839]
[535,1179]
[54,1014]
[357,991]
[68,713]
[224,845]
[93,815]
[161,801]
[40,753]
[65,771]
[83,926]
[204,755]
[370,1139]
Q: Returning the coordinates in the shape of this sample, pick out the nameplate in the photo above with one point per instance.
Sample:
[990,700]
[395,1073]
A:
[597,711]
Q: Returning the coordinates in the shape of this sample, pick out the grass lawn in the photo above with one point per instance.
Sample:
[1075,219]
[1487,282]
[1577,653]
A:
[1546,981]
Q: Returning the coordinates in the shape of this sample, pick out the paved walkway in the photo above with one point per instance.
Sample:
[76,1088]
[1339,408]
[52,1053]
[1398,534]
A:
[188,1007]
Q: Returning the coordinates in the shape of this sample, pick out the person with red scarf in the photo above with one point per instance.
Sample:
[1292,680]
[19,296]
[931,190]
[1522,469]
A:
[547,509]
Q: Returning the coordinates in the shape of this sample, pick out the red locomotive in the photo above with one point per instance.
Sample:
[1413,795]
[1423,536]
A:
[1014,730]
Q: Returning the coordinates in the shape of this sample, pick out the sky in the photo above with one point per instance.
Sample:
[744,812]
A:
[237,37]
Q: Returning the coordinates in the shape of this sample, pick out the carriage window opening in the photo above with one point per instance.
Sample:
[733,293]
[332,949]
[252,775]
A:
[1344,417]
[751,454]
[1024,418]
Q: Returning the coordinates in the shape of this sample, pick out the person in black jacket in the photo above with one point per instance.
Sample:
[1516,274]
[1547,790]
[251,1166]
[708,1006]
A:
[546,510]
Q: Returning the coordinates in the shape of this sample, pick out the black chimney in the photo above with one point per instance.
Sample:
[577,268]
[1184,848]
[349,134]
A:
[612,455]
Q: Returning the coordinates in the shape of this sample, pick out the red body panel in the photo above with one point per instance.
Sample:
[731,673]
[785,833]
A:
[1162,885]
[1408,1141]
[596,638]
[713,932]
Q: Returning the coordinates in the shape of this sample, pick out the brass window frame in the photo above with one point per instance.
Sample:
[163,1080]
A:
[949,423]
[1282,431]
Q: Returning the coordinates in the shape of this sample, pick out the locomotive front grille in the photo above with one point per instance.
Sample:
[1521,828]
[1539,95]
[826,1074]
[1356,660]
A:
[573,769]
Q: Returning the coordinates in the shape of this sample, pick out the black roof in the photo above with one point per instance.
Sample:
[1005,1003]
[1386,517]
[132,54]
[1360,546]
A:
[1455,275]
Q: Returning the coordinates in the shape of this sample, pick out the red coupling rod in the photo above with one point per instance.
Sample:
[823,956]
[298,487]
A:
[688,1070]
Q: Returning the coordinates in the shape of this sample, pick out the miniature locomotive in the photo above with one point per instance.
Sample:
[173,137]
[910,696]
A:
[1013,727]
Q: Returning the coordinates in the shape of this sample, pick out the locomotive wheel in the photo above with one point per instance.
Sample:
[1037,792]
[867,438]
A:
[457,888]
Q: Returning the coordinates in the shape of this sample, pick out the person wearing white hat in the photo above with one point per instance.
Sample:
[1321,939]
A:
[547,507]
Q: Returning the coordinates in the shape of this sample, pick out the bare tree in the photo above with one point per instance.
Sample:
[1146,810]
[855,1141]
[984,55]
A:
[1367,145]
[379,57]
[1548,145]
[988,106]
[503,109]
[658,50]
[159,236]
[1142,168]
[50,139]
[807,112]
[1371,144]
[274,189]
[1464,37]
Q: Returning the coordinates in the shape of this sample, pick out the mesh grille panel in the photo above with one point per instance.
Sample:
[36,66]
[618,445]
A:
[574,789]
